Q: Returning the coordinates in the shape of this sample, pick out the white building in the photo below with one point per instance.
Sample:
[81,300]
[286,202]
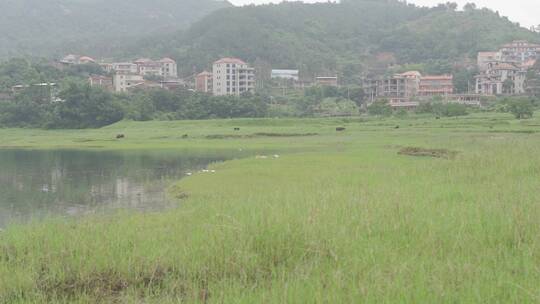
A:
[124,68]
[169,68]
[501,78]
[232,76]
[285,74]
[122,82]
[520,51]
[72,59]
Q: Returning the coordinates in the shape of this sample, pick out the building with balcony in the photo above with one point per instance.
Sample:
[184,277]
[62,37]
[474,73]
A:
[232,76]
[398,88]
[436,85]
[501,78]
[484,58]
[519,51]
[122,82]
[100,81]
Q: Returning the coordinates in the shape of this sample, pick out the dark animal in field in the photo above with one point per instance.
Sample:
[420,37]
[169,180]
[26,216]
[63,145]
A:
[437,117]
[185,136]
[120,136]
[340,129]
[237,129]
[396,127]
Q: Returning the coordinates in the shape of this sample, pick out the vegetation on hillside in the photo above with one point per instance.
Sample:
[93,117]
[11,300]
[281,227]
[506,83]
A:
[350,38]
[54,27]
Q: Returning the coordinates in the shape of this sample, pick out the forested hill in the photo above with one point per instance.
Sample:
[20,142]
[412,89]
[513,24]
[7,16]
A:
[330,37]
[46,27]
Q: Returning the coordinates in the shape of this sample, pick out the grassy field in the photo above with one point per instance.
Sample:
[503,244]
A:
[339,217]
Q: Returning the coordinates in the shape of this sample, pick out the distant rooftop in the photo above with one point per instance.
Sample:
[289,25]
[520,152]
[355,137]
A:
[229,60]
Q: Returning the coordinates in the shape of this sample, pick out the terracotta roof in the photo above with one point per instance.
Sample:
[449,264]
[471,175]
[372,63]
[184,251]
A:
[230,60]
[86,58]
[520,43]
[142,60]
[205,73]
[530,63]
[488,53]
[167,59]
[504,66]
[411,73]
[437,77]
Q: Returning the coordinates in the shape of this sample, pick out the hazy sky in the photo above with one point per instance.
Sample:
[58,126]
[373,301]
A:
[524,11]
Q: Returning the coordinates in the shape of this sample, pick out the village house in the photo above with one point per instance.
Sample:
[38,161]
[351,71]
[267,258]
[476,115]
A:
[407,90]
[501,78]
[327,81]
[203,82]
[104,82]
[436,85]
[122,82]
[484,58]
[165,68]
[504,72]
[76,59]
[520,51]
[398,89]
[232,76]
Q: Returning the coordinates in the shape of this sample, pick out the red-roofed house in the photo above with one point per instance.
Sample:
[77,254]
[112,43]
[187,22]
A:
[203,82]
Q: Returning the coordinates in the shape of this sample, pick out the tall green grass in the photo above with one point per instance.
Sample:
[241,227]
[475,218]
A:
[337,218]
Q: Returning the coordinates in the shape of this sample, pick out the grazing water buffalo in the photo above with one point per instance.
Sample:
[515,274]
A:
[120,136]
[340,129]
[237,129]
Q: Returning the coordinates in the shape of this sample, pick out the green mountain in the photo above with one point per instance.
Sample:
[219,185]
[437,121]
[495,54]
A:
[350,37]
[53,27]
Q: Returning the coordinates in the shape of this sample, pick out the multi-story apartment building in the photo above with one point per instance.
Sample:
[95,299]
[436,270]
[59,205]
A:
[436,85]
[147,67]
[204,82]
[123,68]
[232,76]
[169,68]
[122,82]
[504,72]
[484,58]
[409,88]
[165,68]
[101,81]
[501,78]
[520,51]
[397,88]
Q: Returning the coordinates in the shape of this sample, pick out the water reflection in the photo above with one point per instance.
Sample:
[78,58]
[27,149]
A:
[34,184]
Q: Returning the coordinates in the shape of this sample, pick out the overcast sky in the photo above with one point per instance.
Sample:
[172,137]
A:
[524,11]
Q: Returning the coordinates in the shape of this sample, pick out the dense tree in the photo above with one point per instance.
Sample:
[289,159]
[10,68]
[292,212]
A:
[521,108]
[348,38]
[36,27]
[380,108]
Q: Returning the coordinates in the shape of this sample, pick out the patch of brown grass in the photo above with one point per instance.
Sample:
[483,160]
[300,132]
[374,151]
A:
[422,152]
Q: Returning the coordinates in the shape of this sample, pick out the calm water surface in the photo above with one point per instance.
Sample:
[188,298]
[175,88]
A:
[35,184]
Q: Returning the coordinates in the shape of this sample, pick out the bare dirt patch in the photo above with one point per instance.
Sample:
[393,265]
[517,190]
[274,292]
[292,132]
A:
[422,152]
